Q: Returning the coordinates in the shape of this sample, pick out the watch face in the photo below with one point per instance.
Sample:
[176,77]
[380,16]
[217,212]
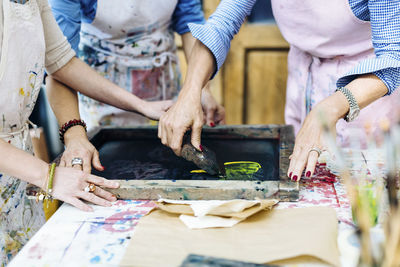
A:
[353,114]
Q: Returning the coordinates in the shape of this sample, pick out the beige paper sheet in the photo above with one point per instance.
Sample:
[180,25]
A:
[224,210]
[161,239]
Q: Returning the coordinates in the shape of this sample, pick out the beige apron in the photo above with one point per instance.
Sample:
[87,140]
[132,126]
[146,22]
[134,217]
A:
[321,53]
[21,74]
[131,43]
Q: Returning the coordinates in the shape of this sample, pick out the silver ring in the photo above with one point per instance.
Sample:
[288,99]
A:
[76,161]
[316,149]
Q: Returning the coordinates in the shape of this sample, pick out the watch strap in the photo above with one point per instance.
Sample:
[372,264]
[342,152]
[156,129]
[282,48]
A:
[351,99]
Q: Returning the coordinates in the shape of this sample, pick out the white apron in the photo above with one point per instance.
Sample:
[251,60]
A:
[131,43]
[320,53]
[21,74]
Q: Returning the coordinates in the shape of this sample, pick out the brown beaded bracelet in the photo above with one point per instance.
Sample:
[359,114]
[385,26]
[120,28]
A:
[68,125]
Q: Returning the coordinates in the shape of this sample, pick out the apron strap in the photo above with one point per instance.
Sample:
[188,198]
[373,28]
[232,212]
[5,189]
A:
[160,61]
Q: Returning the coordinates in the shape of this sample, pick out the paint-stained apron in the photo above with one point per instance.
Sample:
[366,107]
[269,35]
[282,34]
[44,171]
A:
[131,43]
[320,53]
[21,74]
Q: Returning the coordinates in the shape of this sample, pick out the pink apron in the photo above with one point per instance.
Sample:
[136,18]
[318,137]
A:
[326,41]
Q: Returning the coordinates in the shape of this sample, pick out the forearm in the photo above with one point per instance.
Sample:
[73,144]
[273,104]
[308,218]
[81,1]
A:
[188,42]
[201,66]
[80,77]
[366,89]
[65,105]
[22,165]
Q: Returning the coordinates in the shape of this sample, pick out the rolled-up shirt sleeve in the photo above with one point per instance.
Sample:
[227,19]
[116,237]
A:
[216,34]
[58,50]
[187,11]
[70,14]
[385,24]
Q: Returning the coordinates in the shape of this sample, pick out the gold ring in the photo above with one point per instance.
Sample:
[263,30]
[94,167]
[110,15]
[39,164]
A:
[90,188]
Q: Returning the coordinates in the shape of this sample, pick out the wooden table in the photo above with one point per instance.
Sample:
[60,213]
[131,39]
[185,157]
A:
[75,238]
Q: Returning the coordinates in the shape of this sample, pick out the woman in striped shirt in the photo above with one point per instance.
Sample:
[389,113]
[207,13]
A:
[335,69]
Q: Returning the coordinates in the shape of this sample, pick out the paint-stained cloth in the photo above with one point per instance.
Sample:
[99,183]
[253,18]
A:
[30,40]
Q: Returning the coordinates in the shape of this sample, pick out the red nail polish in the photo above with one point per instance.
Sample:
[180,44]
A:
[295,178]
[290,175]
[212,124]
[308,174]
[201,148]
[103,167]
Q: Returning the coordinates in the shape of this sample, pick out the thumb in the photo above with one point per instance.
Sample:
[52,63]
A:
[96,161]
[196,136]
[167,105]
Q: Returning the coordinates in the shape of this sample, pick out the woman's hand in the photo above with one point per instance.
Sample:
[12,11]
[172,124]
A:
[69,186]
[155,109]
[77,145]
[214,112]
[185,114]
[311,137]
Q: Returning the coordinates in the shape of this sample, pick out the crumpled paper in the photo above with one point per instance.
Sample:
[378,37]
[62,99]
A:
[201,214]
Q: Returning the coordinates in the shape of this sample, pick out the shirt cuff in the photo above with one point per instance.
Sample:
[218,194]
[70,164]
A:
[207,34]
[385,68]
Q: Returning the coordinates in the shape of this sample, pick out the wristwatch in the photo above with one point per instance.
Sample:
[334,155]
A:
[354,108]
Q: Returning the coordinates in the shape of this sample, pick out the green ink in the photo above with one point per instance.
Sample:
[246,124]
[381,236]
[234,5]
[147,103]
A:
[237,170]
[241,170]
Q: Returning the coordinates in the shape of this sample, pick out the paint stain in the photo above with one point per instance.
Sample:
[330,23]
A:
[36,252]
[95,227]
[123,221]
[95,259]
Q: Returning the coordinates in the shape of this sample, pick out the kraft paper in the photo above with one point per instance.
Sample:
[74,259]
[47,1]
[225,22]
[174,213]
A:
[161,239]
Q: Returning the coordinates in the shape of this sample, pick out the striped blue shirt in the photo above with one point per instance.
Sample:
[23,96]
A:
[384,16]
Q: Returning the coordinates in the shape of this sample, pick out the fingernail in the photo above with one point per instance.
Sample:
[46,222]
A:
[290,175]
[308,174]
[103,167]
[295,178]
[212,124]
[201,148]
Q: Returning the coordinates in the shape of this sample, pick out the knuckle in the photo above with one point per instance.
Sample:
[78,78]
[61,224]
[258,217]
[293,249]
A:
[175,147]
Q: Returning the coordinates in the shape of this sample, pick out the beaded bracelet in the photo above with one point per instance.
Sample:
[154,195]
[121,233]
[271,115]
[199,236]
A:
[70,124]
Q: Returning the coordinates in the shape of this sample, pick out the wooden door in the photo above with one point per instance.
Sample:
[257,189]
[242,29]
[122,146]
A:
[252,83]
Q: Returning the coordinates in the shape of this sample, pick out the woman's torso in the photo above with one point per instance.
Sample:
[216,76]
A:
[327,40]
[132,44]
[21,74]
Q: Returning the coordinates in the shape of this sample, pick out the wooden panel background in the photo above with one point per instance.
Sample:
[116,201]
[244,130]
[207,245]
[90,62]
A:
[252,83]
